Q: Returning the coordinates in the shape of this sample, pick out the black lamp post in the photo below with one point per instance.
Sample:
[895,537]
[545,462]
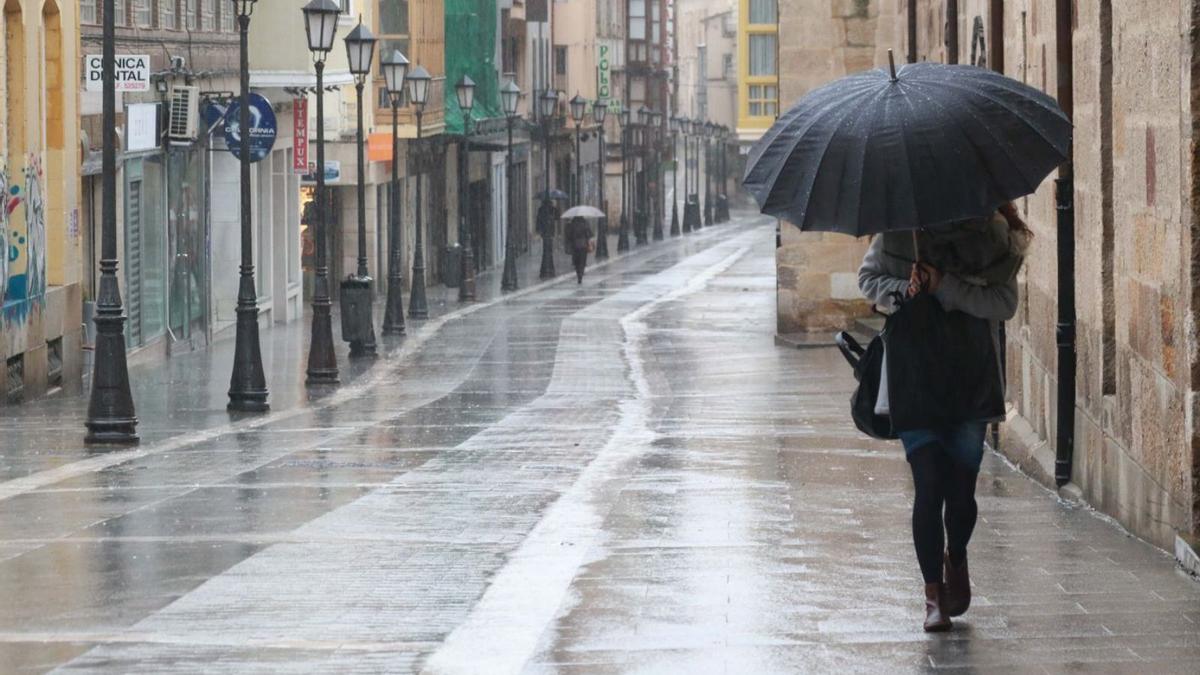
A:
[358,327]
[578,110]
[546,105]
[685,126]
[418,94]
[656,148]
[248,383]
[465,92]
[110,418]
[510,97]
[722,172]
[623,234]
[641,189]
[675,176]
[320,26]
[395,67]
[706,132]
[599,113]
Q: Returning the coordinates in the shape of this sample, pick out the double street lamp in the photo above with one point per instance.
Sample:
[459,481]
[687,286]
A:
[395,68]
[706,132]
[510,98]
[465,92]
[641,188]
[547,103]
[358,327]
[418,95]
[578,110]
[600,113]
[655,129]
[320,26]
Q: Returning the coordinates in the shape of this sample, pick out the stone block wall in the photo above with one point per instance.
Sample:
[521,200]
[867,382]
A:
[820,41]
[1135,439]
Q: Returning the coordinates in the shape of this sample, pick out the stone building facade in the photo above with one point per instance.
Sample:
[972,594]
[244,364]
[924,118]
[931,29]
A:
[1134,448]
[817,273]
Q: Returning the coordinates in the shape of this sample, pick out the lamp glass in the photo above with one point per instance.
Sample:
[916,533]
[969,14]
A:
[465,91]
[548,101]
[643,115]
[320,24]
[418,85]
[578,108]
[244,7]
[599,111]
[510,96]
[624,117]
[360,50]
[395,67]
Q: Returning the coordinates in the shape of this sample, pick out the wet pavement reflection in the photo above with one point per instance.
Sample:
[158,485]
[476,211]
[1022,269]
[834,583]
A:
[623,476]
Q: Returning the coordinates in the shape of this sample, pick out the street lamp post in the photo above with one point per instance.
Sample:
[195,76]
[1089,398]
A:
[465,91]
[657,130]
[707,133]
[599,113]
[684,127]
[510,97]
[395,67]
[623,233]
[546,105]
[418,94]
[110,416]
[358,327]
[578,110]
[640,188]
[675,231]
[320,25]
[723,167]
[248,383]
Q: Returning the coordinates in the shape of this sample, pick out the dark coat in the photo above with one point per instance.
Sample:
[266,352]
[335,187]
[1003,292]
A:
[577,235]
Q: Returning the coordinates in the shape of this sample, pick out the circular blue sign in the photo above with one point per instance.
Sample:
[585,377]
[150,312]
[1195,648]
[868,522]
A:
[263,128]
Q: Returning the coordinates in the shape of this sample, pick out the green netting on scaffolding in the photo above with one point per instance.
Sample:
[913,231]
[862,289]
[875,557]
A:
[471,50]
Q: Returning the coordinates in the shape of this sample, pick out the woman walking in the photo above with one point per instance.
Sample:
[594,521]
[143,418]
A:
[968,267]
[578,238]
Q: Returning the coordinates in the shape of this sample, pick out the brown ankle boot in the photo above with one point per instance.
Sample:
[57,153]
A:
[936,619]
[957,598]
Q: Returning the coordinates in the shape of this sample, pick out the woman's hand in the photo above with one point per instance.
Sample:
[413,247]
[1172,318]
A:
[924,277]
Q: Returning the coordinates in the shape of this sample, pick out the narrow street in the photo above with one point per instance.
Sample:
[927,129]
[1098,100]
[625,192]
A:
[622,476]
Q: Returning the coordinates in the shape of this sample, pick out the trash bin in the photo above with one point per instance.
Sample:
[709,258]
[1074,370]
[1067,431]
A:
[451,265]
[356,309]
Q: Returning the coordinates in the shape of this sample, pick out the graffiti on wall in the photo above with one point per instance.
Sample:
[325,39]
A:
[22,240]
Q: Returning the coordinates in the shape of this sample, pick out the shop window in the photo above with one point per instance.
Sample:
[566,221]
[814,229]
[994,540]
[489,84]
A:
[54,363]
[15,389]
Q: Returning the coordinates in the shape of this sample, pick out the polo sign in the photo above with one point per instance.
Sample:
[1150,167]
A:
[263,128]
[132,73]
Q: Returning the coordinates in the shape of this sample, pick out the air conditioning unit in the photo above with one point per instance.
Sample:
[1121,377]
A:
[183,119]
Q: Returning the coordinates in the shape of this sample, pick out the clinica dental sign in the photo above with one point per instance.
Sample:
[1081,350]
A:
[132,72]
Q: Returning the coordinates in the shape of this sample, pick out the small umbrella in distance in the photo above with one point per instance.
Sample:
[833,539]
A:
[556,195]
[582,212]
[926,145]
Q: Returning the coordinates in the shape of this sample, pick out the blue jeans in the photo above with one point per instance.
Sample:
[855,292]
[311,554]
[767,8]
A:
[963,442]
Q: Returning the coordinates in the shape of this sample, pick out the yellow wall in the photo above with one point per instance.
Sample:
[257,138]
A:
[745,122]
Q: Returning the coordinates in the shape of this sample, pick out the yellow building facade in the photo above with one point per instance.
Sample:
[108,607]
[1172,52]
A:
[41,336]
[758,67]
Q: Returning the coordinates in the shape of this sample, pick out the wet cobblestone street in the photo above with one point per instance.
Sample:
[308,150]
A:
[621,476]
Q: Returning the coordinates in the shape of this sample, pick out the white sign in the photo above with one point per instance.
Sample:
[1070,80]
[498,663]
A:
[132,73]
[141,127]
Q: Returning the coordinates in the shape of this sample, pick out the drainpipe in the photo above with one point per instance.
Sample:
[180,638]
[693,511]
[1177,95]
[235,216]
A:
[912,31]
[951,31]
[1065,203]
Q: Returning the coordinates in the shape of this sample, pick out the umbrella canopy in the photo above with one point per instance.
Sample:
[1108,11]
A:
[556,195]
[582,212]
[928,145]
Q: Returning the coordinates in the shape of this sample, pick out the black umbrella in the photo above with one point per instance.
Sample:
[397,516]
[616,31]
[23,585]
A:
[927,145]
[557,195]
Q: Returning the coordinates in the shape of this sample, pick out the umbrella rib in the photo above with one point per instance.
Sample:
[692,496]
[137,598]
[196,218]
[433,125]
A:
[1023,118]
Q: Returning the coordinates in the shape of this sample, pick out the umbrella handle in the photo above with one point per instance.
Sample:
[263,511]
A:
[892,65]
[916,248]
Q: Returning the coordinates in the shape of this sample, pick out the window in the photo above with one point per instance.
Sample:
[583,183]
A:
[191,13]
[227,17]
[208,16]
[167,18]
[87,11]
[393,29]
[560,60]
[764,100]
[727,66]
[762,55]
[119,13]
[637,19]
[141,14]
[763,11]
[346,8]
